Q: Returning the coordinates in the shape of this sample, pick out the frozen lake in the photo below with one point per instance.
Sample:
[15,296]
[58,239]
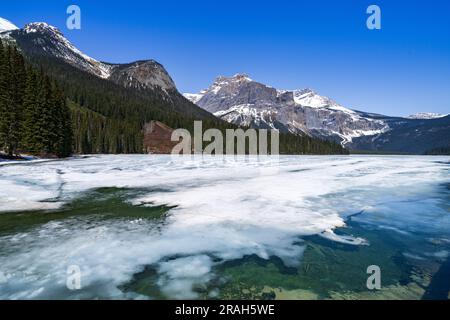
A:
[302,227]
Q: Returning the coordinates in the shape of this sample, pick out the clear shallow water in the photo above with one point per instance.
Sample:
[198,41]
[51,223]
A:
[163,227]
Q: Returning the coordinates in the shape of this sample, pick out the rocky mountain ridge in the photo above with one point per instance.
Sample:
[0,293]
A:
[243,101]
[40,38]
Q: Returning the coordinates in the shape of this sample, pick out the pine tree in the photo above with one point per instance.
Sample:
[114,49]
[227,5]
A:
[7,136]
[12,82]
[30,141]
[18,85]
[3,97]
[34,116]
[62,124]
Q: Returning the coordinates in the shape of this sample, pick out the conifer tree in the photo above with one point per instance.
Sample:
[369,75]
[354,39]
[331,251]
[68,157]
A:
[62,125]
[3,97]
[34,117]
[8,116]
[30,139]
[85,114]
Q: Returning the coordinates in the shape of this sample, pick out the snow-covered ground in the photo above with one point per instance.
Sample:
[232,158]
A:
[224,209]
[6,25]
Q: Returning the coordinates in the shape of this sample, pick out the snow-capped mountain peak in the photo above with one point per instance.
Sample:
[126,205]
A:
[242,77]
[309,98]
[426,116]
[52,42]
[44,39]
[235,80]
[221,83]
[6,25]
[41,27]
[193,97]
[242,101]
[238,77]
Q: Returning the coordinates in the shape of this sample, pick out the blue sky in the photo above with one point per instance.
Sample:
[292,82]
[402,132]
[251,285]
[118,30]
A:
[325,45]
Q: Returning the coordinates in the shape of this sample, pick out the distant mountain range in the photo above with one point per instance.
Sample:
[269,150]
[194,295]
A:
[243,101]
[427,116]
[45,40]
[39,40]
[140,92]
[113,105]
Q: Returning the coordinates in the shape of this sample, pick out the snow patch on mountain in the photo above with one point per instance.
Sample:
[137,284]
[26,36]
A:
[222,82]
[308,98]
[427,116]
[242,101]
[44,39]
[40,27]
[6,25]
[62,48]
[248,115]
[194,97]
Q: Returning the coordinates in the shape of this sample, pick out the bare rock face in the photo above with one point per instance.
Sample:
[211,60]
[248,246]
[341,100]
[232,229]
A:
[142,75]
[41,40]
[157,138]
[242,101]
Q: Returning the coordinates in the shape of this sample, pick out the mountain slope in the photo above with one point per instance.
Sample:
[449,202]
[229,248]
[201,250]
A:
[417,136]
[45,44]
[111,113]
[142,75]
[118,100]
[42,39]
[427,116]
[242,101]
[6,25]
[108,113]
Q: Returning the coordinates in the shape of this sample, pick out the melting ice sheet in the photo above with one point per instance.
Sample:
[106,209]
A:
[224,209]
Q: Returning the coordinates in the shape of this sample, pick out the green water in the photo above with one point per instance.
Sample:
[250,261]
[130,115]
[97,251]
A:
[327,270]
[106,203]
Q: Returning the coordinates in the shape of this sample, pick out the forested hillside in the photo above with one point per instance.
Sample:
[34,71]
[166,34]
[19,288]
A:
[34,116]
[109,118]
[61,109]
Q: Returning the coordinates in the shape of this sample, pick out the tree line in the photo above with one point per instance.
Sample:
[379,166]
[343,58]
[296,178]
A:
[109,118]
[34,117]
[49,107]
[442,151]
